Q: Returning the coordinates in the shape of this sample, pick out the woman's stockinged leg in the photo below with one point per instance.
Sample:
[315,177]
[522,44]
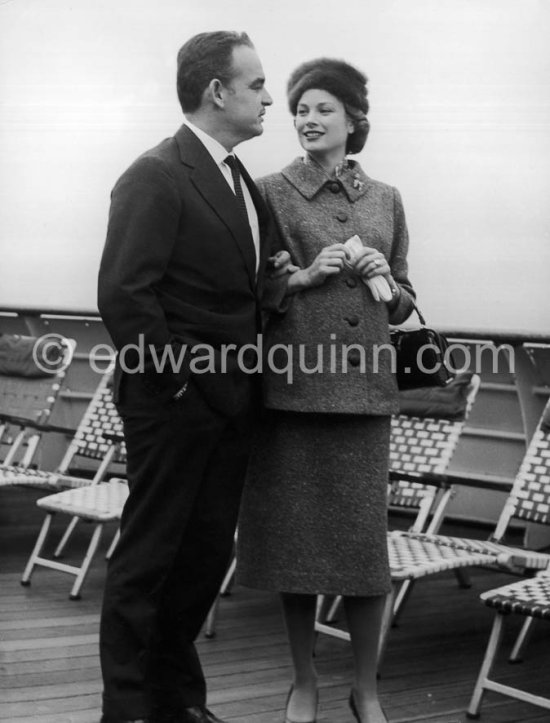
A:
[299,615]
[364,616]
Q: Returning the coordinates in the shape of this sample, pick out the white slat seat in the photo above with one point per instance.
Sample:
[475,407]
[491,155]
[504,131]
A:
[102,502]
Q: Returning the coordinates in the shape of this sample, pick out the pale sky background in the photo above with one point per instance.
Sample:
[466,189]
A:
[460,124]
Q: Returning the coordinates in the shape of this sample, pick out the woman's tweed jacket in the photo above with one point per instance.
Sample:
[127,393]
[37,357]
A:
[316,325]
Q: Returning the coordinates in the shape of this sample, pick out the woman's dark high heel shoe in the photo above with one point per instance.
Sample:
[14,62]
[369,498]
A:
[289,720]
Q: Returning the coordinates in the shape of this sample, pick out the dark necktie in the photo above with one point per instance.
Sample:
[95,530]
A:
[232,163]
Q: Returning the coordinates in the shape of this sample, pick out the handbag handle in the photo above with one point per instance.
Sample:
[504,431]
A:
[420,316]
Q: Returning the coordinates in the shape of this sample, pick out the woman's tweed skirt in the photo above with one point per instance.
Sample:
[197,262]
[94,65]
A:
[314,509]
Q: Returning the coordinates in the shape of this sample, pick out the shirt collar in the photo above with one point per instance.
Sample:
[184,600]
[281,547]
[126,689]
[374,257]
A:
[214,147]
[309,178]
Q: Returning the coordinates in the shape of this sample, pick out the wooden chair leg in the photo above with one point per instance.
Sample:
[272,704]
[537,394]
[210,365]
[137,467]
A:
[331,614]
[439,512]
[79,572]
[486,667]
[463,578]
[323,606]
[401,596]
[210,624]
[516,656]
[228,579]
[387,619]
[35,554]
[112,546]
[68,532]
[88,557]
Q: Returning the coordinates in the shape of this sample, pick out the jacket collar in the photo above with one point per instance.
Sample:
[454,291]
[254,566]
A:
[309,178]
[192,151]
[214,147]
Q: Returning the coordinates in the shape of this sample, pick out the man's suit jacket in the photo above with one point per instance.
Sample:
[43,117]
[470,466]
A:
[178,267]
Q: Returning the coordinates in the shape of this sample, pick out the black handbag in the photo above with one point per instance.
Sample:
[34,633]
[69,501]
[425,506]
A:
[422,357]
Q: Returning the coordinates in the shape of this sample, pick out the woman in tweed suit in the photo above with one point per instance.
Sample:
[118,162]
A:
[313,516]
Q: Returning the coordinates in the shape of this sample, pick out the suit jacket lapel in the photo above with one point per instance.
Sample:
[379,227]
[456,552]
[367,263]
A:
[210,183]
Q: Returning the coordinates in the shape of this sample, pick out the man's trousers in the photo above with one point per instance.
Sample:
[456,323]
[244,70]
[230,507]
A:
[186,468]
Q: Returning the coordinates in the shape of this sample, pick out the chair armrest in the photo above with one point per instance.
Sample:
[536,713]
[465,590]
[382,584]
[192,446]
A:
[24,422]
[488,482]
[483,482]
[115,437]
[428,478]
[57,428]
[19,421]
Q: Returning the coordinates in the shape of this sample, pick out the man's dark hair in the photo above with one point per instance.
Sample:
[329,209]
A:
[203,57]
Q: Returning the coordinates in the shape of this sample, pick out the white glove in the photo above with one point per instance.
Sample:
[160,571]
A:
[378,285]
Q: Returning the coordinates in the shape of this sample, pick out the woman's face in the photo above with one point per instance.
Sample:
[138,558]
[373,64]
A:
[322,123]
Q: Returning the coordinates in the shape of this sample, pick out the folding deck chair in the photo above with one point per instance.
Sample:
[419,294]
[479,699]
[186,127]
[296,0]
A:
[32,370]
[421,450]
[529,598]
[416,555]
[98,438]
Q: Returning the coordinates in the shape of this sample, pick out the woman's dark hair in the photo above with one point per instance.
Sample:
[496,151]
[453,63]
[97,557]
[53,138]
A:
[203,57]
[341,80]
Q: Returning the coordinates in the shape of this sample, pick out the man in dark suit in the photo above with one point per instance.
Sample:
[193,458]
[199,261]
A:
[179,288]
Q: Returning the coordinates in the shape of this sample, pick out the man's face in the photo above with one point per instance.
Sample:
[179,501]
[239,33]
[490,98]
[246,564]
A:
[246,97]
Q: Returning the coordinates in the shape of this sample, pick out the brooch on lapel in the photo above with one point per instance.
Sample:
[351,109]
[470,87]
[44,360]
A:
[357,182]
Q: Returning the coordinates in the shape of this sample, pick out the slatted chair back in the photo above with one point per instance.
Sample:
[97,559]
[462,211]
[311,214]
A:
[91,437]
[101,418]
[89,441]
[423,446]
[29,399]
[32,370]
[529,499]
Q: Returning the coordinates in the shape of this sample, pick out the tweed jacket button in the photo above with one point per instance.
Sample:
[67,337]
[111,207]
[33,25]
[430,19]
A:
[334,187]
[343,217]
[351,282]
[354,357]
[352,320]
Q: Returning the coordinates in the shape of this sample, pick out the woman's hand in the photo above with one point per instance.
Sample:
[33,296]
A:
[279,265]
[329,262]
[369,262]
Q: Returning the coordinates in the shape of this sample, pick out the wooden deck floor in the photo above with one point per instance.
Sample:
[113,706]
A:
[50,672]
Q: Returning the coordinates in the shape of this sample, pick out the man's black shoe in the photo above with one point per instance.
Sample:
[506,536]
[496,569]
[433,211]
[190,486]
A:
[105,719]
[198,714]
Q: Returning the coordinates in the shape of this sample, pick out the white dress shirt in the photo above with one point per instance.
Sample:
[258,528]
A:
[219,153]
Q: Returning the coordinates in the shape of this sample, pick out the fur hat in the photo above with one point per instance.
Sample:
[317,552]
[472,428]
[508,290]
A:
[337,77]
[341,80]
